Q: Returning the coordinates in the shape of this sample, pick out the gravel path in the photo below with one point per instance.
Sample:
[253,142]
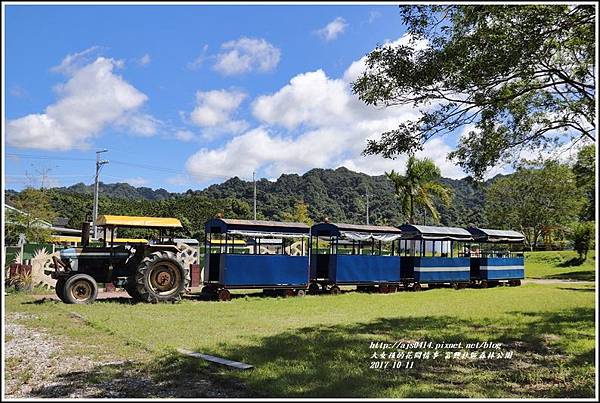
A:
[33,359]
[38,365]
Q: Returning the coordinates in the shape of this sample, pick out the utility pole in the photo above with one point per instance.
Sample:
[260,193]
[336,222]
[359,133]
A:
[99,164]
[254,181]
[367,204]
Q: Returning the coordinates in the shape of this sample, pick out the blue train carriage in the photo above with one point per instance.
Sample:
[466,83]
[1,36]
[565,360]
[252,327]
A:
[434,256]
[497,257]
[250,254]
[365,256]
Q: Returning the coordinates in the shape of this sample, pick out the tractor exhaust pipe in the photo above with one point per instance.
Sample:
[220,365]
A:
[85,234]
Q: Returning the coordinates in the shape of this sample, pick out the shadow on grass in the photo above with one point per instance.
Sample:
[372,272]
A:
[118,300]
[588,275]
[590,289]
[576,261]
[334,361]
[169,376]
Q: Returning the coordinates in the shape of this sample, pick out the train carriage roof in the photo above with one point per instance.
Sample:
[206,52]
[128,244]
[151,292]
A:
[131,221]
[256,227]
[433,233]
[496,235]
[356,231]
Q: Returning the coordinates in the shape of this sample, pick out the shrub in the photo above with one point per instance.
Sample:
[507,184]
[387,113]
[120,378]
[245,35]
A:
[583,238]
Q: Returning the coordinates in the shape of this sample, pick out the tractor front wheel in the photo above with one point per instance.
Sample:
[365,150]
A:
[79,289]
[60,289]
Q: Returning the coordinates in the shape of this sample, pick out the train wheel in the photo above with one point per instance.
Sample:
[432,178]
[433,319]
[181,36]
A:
[224,295]
[484,284]
[454,285]
[517,283]
[384,289]
[416,287]
[335,290]
[393,288]
[313,288]
[300,293]
[288,292]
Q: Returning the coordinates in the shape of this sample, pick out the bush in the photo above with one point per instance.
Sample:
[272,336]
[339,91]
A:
[583,238]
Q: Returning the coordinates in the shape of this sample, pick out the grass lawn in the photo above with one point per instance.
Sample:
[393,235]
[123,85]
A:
[318,346]
[562,265]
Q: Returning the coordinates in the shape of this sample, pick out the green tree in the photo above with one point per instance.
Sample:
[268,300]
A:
[419,187]
[536,198]
[518,77]
[34,218]
[583,238]
[299,214]
[585,177]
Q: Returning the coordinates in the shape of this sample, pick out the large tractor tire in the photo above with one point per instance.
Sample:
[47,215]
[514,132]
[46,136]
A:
[79,289]
[131,289]
[161,277]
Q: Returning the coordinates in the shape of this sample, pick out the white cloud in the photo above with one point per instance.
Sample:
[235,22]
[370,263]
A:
[214,111]
[310,98]
[214,107]
[17,91]
[139,124]
[357,67]
[92,98]
[199,61]
[313,121]
[73,62]
[184,135]
[373,15]
[332,30]
[261,148]
[245,55]
[144,60]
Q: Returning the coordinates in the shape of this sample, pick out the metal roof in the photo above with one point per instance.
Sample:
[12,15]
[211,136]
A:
[433,233]
[334,229]
[223,225]
[496,235]
[129,221]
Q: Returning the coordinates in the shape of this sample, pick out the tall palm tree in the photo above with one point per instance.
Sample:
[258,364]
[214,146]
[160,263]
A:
[420,187]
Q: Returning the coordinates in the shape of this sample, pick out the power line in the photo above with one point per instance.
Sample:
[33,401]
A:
[124,163]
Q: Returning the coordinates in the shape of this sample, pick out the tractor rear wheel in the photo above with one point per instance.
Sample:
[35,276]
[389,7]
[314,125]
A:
[161,277]
[132,289]
[79,289]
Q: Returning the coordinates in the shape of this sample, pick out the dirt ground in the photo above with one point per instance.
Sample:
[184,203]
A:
[39,365]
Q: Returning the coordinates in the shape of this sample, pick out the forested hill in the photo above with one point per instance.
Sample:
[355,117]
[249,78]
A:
[337,194]
[340,195]
[120,190]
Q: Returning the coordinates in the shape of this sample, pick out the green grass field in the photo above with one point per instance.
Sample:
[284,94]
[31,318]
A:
[318,346]
[560,265]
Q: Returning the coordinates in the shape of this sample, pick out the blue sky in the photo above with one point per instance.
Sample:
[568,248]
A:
[185,96]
